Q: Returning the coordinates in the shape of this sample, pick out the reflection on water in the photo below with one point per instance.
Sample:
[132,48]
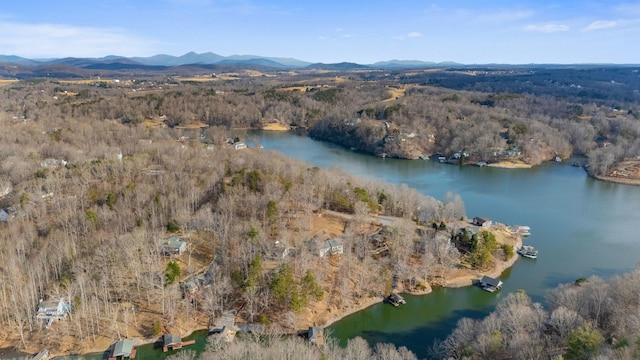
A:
[581,226]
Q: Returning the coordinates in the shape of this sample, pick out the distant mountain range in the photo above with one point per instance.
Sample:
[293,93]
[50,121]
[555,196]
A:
[209,58]
[17,67]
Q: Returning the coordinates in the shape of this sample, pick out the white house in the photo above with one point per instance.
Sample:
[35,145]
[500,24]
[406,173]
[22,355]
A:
[52,310]
[331,247]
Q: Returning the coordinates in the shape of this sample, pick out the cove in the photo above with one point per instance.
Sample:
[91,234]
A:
[581,226]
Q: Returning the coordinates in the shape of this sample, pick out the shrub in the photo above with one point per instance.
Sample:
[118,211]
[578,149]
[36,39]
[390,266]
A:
[172,272]
[508,251]
[172,226]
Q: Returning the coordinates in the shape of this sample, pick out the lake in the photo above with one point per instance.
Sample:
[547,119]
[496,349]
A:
[581,227]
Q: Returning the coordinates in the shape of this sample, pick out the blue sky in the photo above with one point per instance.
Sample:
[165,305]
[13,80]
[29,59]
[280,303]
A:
[465,31]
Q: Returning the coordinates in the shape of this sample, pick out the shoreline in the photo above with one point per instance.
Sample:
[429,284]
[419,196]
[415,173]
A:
[137,342]
[498,165]
[368,302]
[456,282]
[510,165]
[616,180]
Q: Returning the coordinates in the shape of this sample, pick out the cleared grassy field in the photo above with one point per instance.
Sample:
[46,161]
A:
[7,82]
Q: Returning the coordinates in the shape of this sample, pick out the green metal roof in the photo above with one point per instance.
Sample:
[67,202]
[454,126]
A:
[172,242]
[123,348]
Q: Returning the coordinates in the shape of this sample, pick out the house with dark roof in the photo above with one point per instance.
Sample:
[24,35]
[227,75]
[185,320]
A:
[490,284]
[482,222]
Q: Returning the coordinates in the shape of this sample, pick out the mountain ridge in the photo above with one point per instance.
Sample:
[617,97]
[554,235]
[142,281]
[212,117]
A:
[210,58]
[12,66]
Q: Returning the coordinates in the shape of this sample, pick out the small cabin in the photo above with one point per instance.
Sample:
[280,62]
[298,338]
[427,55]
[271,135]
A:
[482,222]
[52,310]
[490,284]
[173,342]
[316,335]
[173,246]
[123,350]
[331,247]
[395,299]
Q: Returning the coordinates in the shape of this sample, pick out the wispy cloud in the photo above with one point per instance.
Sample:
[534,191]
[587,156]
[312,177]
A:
[411,35]
[599,25]
[503,16]
[547,28]
[52,40]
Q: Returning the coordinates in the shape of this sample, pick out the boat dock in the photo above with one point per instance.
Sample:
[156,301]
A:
[523,230]
[395,299]
[123,350]
[528,251]
[490,284]
[173,342]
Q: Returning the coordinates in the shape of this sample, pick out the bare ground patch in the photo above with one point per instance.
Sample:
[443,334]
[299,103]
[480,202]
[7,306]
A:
[626,172]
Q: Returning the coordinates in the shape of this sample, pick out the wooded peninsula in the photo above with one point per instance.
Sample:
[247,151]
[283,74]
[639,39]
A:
[139,207]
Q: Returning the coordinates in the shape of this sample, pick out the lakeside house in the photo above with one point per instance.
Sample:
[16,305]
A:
[490,284]
[322,244]
[482,222]
[395,299]
[53,310]
[173,246]
[173,342]
[123,350]
[316,335]
[331,247]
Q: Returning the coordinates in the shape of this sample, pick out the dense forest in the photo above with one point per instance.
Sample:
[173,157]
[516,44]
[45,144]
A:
[469,116]
[91,191]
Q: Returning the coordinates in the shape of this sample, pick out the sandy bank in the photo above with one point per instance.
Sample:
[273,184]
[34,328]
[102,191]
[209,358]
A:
[276,127]
[510,165]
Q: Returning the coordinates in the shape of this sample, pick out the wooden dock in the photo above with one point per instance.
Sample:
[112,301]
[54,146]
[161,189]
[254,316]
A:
[176,346]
